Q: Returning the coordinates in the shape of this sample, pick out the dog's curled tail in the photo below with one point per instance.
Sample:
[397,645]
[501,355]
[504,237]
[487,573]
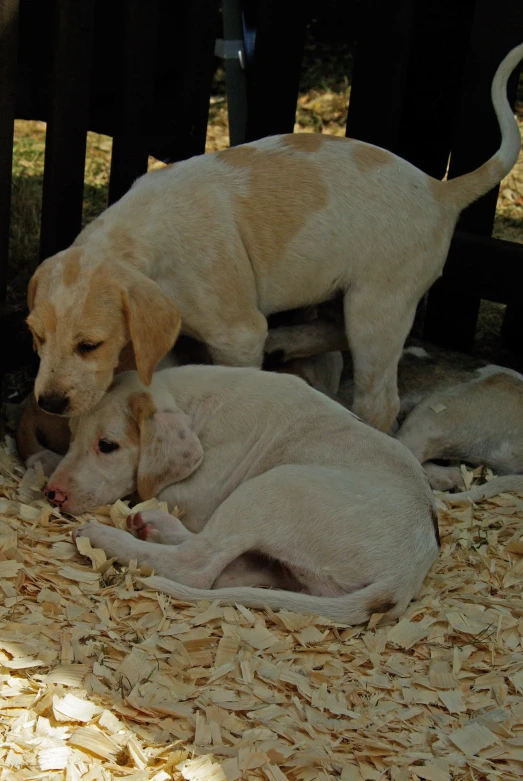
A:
[494,487]
[354,608]
[467,188]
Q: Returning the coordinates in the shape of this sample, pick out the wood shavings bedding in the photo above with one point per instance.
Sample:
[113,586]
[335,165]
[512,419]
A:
[101,678]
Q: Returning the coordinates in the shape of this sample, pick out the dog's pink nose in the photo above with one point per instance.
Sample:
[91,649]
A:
[55,495]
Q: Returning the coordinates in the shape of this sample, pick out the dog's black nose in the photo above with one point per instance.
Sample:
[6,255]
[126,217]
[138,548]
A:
[53,403]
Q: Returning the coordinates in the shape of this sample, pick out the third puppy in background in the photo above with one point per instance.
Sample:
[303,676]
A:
[453,407]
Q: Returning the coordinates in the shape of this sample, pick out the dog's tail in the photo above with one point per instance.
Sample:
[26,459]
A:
[494,487]
[354,608]
[467,188]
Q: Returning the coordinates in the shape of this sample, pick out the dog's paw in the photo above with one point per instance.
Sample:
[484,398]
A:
[444,478]
[115,542]
[157,526]
[48,460]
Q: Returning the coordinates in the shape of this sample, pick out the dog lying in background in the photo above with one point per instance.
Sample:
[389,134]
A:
[453,407]
[217,243]
[265,465]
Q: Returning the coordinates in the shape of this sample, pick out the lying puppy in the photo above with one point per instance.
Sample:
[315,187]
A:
[454,407]
[266,465]
[228,238]
[479,421]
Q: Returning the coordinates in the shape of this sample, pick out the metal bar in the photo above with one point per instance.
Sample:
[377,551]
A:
[235,75]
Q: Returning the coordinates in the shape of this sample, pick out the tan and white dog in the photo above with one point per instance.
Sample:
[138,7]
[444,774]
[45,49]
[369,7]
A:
[265,466]
[453,407]
[228,238]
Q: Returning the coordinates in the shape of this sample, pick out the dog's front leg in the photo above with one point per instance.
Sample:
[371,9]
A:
[240,343]
[189,563]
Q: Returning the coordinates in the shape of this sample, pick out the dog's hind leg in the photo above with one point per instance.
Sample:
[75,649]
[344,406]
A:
[376,333]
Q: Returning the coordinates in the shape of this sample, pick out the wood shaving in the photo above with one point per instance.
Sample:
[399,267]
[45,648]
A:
[103,678]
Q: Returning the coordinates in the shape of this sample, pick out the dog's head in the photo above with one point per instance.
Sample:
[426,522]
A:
[82,315]
[133,440]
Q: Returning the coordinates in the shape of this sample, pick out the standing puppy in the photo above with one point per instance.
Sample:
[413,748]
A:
[228,238]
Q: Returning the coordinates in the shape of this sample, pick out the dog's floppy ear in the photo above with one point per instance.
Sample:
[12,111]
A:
[153,321]
[170,451]
[31,290]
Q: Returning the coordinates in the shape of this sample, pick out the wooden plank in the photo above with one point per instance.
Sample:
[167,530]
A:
[452,312]
[432,83]
[8,52]
[488,268]
[274,75]
[67,125]
[138,58]
[199,32]
[380,71]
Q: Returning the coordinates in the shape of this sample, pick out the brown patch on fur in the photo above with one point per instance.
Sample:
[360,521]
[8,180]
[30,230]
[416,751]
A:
[147,485]
[240,156]
[304,142]
[71,270]
[132,430]
[310,142]
[501,380]
[141,406]
[47,316]
[368,157]
[123,244]
[380,606]
[434,516]
[439,189]
[153,322]
[271,216]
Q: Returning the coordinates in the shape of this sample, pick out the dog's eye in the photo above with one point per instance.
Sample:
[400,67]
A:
[106,446]
[88,347]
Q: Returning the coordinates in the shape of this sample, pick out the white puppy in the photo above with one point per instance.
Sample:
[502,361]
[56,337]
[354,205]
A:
[265,465]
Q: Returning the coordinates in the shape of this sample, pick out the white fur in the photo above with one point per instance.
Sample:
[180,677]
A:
[286,472]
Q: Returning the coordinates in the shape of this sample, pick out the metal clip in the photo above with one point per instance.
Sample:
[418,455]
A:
[230,50]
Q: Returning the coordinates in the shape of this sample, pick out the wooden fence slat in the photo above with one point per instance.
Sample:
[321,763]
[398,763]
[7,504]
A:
[67,124]
[380,70]
[8,51]
[138,58]
[432,91]
[274,75]
[194,33]
[475,256]
[452,310]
